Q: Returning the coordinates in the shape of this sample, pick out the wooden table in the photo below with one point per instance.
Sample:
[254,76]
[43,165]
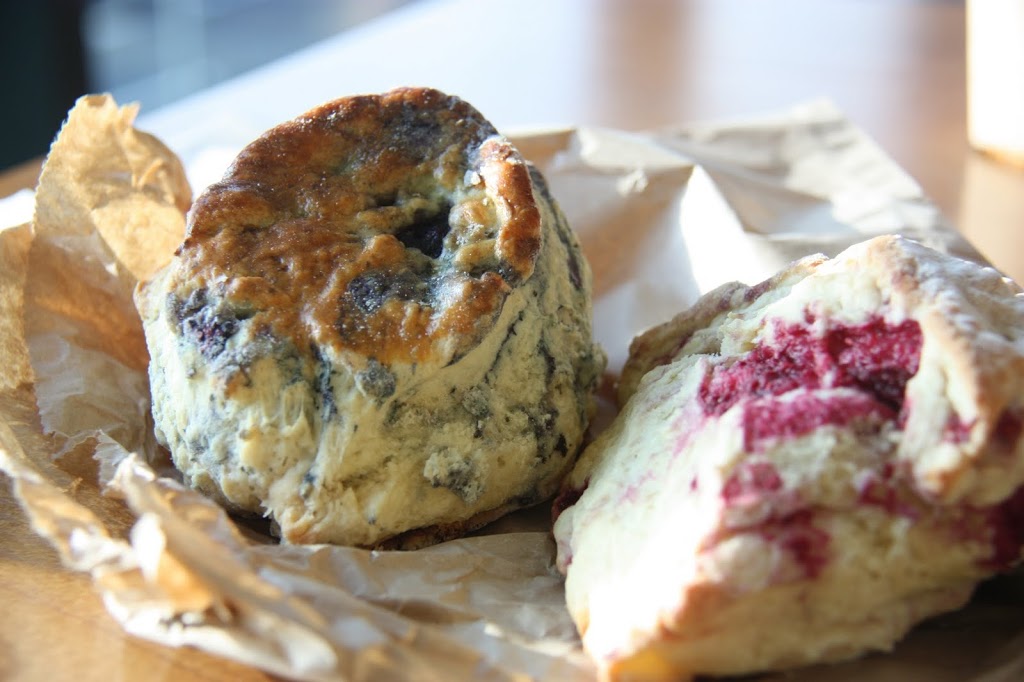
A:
[896,68]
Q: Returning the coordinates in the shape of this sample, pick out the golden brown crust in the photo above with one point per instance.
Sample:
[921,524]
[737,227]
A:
[358,226]
[519,241]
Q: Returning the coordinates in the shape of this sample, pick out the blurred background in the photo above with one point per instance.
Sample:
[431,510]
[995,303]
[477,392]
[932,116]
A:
[151,51]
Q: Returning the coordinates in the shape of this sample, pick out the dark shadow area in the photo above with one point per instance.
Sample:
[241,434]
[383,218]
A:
[42,53]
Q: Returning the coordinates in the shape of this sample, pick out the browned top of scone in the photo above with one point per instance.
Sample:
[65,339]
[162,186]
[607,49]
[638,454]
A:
[392,225]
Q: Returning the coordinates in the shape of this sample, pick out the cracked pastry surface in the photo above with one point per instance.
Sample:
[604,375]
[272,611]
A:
[803,469]
[377,329]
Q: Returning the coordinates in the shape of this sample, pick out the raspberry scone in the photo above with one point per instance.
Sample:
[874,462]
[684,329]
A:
[377,329]
[803,469]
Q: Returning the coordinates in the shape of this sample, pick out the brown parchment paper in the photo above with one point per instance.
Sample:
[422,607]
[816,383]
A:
[663,217]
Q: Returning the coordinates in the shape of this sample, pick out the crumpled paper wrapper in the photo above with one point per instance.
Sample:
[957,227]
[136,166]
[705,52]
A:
[663,217]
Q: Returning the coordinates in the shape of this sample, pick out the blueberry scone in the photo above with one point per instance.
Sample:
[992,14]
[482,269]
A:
[802,469]
[377,330]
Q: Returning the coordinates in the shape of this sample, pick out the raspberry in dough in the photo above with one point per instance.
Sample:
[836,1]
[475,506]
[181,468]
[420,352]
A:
[377,330]
[802,470]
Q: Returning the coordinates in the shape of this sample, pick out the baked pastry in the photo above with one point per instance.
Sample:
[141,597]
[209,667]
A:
[803,469]
[377,329]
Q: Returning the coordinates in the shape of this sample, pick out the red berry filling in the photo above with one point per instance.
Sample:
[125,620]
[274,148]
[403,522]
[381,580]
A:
[756,487]
[766,371]
[753,480]
[1005,433]
[769,419]
[565,499]
[957,431]
[1008,428]
[880,490]
[801,539]
[876,357]
[1007,524]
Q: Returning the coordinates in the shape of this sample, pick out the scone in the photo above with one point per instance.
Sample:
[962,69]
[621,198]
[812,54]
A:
[803,469]
[377,329]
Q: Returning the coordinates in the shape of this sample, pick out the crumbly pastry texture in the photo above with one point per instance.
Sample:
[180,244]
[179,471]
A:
[377,330]
[803,469]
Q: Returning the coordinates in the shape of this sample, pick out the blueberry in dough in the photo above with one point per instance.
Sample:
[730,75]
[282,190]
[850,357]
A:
[347,340]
